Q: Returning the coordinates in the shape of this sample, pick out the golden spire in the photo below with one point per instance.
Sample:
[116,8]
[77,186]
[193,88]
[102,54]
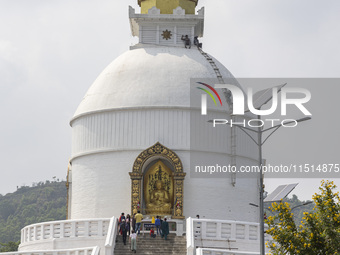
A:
[167,6]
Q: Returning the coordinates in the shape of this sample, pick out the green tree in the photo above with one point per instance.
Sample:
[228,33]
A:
[28,205]
[8,247]
[319,231]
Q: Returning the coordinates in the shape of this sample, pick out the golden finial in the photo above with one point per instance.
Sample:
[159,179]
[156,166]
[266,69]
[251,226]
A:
[167,6]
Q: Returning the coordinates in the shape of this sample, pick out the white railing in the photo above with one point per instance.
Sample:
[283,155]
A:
[206,251]
[64,229]
[216,232]
[81,251]
[110,242]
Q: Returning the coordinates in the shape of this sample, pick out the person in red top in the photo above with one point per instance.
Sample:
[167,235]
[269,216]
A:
[152,233]
[121,218]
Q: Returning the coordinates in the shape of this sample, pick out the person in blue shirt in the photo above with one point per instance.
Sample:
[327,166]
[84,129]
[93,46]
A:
[158,225]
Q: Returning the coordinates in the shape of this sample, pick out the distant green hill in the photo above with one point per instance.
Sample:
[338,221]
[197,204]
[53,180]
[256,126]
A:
[45,201]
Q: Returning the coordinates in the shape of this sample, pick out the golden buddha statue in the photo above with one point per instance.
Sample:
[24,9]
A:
[159,200]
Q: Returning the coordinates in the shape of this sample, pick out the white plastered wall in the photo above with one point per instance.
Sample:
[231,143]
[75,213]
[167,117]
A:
[106,150]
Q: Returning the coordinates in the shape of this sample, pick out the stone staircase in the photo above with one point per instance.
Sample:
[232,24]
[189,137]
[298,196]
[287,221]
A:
[156,246]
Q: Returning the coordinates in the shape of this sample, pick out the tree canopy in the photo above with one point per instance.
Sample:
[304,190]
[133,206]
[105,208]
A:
[44,201]
[318,232]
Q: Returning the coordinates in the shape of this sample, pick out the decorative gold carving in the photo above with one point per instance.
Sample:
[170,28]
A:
[179,196]
[166,34]
[178,177]
[135,190]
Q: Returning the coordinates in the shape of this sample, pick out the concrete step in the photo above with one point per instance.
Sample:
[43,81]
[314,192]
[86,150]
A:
[148,245]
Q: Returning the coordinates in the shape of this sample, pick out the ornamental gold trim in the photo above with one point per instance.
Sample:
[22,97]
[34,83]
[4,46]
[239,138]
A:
[166,34]
[140,2]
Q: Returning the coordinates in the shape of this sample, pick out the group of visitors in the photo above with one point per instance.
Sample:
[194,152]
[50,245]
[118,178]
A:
[130,226]
[187,41]
[162,227]
[125,224]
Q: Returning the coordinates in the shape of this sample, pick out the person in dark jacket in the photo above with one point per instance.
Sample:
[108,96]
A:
[123,230]
[128,223]
[187,41]
[165,229]
[121,218]
[133,221]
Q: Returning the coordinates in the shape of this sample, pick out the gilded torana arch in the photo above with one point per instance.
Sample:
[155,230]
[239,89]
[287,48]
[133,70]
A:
[175,178]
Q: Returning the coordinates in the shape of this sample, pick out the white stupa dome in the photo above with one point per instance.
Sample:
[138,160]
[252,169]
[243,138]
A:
[166,73]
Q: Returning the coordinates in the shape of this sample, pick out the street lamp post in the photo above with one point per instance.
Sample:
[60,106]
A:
[307,203]
[259,143]
[263,98]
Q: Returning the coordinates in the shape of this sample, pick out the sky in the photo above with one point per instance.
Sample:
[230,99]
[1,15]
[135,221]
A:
[52,51]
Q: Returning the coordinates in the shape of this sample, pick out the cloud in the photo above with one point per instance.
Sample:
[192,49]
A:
[52,51]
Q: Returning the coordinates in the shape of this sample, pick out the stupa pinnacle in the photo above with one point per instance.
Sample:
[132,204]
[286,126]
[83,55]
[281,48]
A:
[167,6]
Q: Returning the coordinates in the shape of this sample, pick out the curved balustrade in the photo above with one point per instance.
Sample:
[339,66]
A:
[222,234]
[80,251]
[65,229]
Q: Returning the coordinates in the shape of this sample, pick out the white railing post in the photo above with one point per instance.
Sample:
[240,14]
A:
[199,251]
[204,229]
[95,251]
[219,230]
[110,241]
[190,236]
[73,229]
[29,234]
[42,231]
[246,234]
[62,229]
[51,231]
[86,228]
[35,233]
[100,228]
[22,235]
[233,231]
